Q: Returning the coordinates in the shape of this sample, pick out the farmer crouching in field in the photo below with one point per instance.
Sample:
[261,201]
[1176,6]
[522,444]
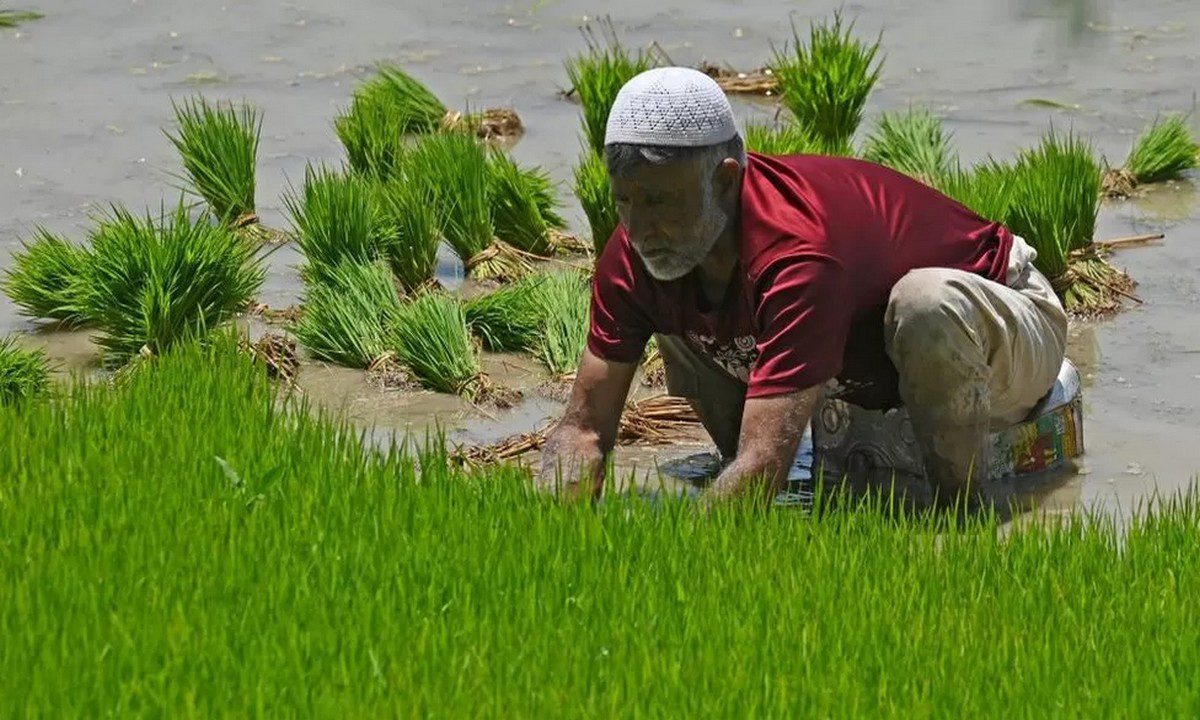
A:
[766,278]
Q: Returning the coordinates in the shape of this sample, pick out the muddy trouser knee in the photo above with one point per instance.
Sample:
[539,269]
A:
[715,395]
[972,355]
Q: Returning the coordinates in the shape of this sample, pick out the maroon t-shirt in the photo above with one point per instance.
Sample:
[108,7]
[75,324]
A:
[823,240]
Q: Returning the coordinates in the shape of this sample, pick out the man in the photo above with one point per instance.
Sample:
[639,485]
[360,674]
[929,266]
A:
[766,278]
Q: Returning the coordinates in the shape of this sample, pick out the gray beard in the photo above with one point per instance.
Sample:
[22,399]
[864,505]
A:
[712,223]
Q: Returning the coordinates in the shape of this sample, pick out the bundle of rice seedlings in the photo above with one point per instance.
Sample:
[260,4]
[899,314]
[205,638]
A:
[153,282]
[348,314]
[987,189]
[594,190]
[12,18]
[373,136]
[826,81]
[453,168]
[411,232]
[24,374]
[509,319]
[1056,196]
[567,299]
[1164,151]
[791,139]
[45,277]
[430,337]
[597,76]
[517,214]
[218,144]
[914,143]
[336,219]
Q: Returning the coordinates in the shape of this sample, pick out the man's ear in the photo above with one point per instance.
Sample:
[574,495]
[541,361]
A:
[728,173]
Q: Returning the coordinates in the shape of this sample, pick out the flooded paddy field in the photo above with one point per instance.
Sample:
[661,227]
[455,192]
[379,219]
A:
[81,119]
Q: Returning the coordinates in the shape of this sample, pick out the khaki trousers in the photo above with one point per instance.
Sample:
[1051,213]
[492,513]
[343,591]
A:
[972,355]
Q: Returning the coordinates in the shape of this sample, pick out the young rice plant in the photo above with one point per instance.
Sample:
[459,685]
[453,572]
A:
[567,299]
[381,581]
[410,232]
[154,282]
[1164,151]
[23,373]
[516,210]
[45,278]
[12,18]
[594,190]
[336,219]
[385,108]
[913,143]
[597,76]
[431,338]
[825,82]
[218,144]
[348,314]
[510,318]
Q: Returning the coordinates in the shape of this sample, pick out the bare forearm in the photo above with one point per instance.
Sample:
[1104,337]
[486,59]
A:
[573,460]
[748,476]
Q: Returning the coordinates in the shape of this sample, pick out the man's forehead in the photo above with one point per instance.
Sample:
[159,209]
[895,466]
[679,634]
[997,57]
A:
[666,176]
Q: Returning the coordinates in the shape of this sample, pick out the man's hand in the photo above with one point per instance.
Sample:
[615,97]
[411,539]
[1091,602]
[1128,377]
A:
[575,452]
[771,431]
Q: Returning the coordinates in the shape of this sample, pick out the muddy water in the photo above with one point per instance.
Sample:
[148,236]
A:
[85,92]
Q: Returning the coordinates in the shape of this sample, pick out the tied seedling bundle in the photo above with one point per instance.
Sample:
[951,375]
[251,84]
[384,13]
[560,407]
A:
[510,318]
[336,220]
[24,374]
[913,143]
[154,282]
[524,205]
[594,191]
[826,81]
[790,138]
[1164,151]
[430,337]
[597,76]
[44,279]
[393,104]
[218,144]
[567,300]
[409,232]
[348,313]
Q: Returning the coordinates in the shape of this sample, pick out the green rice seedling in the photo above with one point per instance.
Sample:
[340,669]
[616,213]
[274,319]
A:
[545,195]
[45,277]
[1164,151]
[914,143]
[218,144]
[791,139]
[594,190]
[987,189]
[140,518]
[510,318]
[154,282]
[385,108]
[24,374]
[431,338]
[348,313]
[12,18]
[825,82]
[516,212]
[336,219]
[597,76]
[567,300]
[453,168]
[411,232]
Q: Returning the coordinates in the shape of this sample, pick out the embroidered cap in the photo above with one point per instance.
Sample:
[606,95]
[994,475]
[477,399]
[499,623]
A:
[671,106]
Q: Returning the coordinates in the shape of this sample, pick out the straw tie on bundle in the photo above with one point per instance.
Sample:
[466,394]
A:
[491,125]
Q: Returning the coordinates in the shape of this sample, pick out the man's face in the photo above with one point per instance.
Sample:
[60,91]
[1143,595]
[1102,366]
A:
[672,215]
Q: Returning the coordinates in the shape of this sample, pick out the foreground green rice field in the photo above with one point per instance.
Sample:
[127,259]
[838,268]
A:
[178,547]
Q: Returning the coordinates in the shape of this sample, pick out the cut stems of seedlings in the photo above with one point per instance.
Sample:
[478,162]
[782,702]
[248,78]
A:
[348,314]
[594,190]
[410,233]
[24,374]
[154,282]
[826,81]
[597,76]
[46,277]
[509,319]
[1164,151]
[218,144]
[431,338]
[336,219]
[913,143]
[567,299]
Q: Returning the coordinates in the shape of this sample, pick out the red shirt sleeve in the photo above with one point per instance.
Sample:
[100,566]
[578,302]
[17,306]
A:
[620,325]
[803,318]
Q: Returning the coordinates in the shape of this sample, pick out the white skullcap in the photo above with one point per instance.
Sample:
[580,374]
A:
[671,106]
